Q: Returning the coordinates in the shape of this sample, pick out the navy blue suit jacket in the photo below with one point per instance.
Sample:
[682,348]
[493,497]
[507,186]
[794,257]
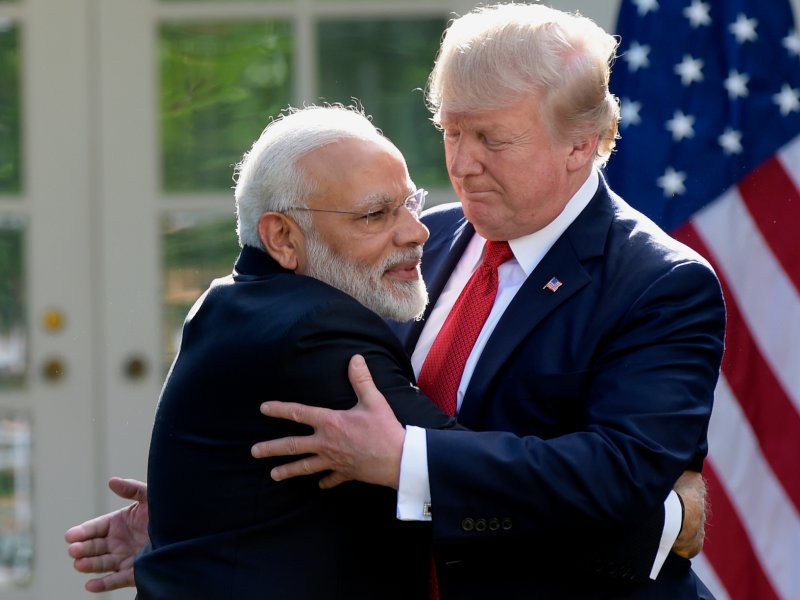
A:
[605,390]
[220,527]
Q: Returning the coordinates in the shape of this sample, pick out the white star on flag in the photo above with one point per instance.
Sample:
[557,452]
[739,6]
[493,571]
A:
[645,6]
[736,84]
[672,182]
[690,69]
[744,29]
[636,56]
[697,13]
[792,43]
[731,141]
[681,126]
[788,99]
[629,112]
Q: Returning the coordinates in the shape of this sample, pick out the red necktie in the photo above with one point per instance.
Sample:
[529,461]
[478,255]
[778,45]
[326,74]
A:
[444,366]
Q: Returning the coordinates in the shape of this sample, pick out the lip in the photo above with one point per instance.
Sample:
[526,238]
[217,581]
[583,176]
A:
[408,270]
[475,194]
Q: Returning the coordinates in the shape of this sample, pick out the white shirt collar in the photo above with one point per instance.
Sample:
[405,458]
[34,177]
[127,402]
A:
[530,249]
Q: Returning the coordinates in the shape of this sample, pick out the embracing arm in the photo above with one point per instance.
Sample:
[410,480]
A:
[109,543]
[365,443]
[651,399]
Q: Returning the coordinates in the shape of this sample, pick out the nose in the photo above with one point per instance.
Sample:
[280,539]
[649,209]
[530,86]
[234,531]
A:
[409,230]
[462,157]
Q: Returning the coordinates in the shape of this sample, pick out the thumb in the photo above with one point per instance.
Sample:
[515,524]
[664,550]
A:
[361,379]
[130,489]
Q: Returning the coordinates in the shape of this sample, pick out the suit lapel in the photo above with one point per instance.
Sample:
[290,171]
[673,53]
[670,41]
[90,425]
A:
[583,239]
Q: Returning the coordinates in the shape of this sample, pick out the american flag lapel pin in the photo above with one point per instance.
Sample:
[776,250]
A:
[552,285]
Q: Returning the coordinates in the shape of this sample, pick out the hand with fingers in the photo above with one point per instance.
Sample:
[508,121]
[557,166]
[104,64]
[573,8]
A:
[692,489]
[364,443]
[109,543]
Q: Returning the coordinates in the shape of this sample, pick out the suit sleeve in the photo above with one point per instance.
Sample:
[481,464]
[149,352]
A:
[646,404]
[320,352]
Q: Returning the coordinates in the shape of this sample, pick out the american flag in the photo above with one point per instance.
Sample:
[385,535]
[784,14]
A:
[553,285]
[710,149]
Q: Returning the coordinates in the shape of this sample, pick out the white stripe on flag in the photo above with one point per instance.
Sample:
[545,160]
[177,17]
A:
[766,513]
[769,302]
[789,156]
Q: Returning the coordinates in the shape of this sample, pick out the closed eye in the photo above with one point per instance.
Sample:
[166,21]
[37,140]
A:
[378,213]
[451,134]
[492,143]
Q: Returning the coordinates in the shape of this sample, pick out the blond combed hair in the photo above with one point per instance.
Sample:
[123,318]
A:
[498,55]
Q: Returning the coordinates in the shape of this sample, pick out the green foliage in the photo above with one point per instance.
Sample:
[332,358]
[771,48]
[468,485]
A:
[385,64]
[11,281]
[6,483]
[211,243]
[220,82]
[10,121]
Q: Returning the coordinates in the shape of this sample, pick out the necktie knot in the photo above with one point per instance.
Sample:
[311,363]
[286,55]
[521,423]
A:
[496,254]
[443,368]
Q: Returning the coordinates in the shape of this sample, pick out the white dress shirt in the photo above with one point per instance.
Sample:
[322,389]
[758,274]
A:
[414,490]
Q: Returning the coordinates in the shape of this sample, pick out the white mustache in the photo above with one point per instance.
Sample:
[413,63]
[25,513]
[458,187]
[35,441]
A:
[400,257]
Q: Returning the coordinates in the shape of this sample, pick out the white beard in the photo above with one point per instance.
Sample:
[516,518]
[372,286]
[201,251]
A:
[391,299]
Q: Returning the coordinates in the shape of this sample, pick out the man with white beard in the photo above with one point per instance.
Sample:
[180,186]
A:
[331,245]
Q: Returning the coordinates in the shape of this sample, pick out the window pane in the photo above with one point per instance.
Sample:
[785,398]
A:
[10,147]
[219,84]
[385,64]
[13,331]
[197,249]
[16,536]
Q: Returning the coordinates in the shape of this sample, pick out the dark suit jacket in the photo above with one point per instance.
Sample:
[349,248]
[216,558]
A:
[605,388]
[220,527]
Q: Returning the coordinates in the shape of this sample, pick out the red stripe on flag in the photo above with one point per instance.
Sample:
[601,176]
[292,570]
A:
[774,202]
[728,547]
[772,416]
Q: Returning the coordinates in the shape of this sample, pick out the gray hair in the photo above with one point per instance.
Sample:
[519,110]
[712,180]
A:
[269,178]
[498,55]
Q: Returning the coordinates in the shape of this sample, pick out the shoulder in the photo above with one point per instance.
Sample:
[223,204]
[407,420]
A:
[283,304]
[643,243]
[444,217]
[446,222]
[646,265]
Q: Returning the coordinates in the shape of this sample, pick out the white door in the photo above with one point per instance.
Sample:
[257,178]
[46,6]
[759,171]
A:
[48,321]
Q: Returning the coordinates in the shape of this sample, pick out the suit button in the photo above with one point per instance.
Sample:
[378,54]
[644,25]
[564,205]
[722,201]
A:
[507,524]
[494,524]
[467,524]
[480,525]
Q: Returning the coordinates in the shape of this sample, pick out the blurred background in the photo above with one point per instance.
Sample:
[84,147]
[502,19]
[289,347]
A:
[120,123]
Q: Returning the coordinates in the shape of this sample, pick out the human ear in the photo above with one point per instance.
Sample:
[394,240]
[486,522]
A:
[282,239]
[582,153]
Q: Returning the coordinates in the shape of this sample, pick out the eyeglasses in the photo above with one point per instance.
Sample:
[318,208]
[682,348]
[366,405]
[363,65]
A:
[380,217]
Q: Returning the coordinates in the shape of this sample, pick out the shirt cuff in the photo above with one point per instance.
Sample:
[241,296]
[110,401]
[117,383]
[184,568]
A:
[673,519]
[414,492]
